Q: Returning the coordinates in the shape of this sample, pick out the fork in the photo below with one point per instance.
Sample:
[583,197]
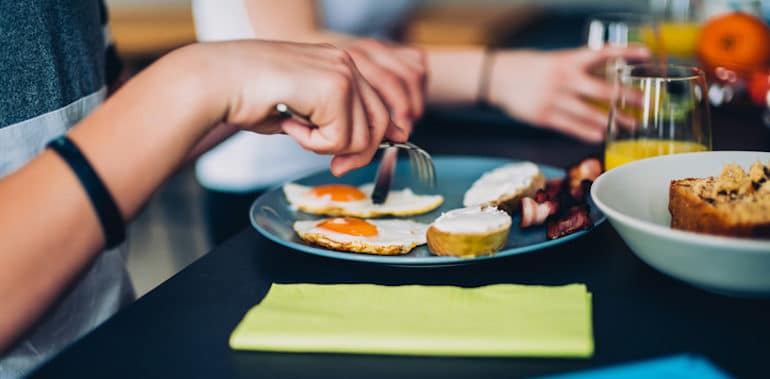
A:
[420,161]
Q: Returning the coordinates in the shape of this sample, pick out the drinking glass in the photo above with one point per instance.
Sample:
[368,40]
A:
[616,30]
[657,110]
[679,23]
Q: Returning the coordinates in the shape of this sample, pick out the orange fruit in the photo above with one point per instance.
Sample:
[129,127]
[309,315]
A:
[737,41]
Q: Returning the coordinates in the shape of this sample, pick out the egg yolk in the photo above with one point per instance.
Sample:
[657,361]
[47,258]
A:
[338,192]
[349,225]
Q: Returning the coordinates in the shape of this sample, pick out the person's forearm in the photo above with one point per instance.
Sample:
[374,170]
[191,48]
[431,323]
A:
[49,228]
[454,74]
[138,138]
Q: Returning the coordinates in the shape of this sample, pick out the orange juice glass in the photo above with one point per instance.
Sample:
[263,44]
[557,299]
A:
[657,110]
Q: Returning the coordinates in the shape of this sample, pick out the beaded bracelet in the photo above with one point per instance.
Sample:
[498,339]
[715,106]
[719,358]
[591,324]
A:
[109,215]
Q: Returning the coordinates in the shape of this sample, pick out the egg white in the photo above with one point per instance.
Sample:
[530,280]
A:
[394,237]
[399,202]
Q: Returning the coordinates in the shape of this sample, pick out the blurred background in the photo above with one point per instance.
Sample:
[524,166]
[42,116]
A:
[169,233]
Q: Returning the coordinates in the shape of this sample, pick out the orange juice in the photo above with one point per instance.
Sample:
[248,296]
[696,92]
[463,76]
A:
[677,39]
[622,152]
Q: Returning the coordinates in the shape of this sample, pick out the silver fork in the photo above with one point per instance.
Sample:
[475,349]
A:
[420,161]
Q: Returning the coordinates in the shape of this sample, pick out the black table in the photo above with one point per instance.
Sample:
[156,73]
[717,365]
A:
[181,328]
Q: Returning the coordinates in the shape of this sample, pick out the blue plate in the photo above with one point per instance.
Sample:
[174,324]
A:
[272,215]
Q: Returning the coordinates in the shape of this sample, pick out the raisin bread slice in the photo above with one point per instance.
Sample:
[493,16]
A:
[734,204]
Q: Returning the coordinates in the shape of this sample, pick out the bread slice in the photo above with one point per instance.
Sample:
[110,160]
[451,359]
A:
[511,204]
[505,186]
[734,204]
[469,232]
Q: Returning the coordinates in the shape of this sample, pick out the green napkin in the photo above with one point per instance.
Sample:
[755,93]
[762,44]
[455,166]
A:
[495,320]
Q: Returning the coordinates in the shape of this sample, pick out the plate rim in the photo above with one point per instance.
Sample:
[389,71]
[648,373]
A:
[432,260]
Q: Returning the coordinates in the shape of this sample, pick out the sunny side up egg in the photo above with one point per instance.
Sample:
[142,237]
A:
[381,237]
[346,200]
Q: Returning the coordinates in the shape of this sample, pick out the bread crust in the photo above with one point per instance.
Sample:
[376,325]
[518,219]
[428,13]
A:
[466,245]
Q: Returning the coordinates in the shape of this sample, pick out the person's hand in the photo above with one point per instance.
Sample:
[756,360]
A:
[551,89]
[397,73]
[319,81]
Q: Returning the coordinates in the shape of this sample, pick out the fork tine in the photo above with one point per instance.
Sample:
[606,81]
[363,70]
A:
[430,170]
[412,162]
[424,169]
[424,164]
[432,174]
[418,164]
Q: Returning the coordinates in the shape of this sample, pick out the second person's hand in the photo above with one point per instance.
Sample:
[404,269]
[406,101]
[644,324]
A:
[551,89]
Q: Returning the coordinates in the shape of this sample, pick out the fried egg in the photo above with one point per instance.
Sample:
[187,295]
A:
[346,200]
[380,237]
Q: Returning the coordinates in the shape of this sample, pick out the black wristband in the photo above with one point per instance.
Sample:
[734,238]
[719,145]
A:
[109,215]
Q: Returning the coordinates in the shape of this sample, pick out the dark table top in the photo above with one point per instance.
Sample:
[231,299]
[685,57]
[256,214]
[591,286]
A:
[181,328]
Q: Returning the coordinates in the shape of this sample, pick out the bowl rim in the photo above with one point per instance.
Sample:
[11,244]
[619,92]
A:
[744,244]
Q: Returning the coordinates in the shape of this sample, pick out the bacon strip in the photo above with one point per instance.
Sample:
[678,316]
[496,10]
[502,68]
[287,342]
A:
[533,213]
[580,192]
[561,205]
[552,187]
[575,219]
[587,169]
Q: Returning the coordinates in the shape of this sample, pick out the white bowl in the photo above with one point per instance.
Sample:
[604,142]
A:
[634,197]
